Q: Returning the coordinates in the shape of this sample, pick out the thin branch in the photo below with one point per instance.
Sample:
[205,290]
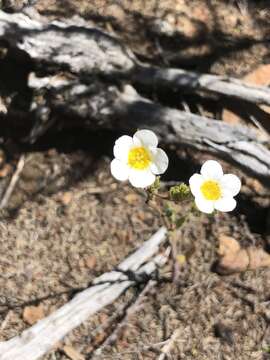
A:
[129,313]
[14,179]
[87,50]
[126,110]
[41,337]
[179,79]
[169,345]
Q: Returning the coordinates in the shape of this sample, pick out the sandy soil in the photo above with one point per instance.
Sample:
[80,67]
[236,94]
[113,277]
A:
[68,221]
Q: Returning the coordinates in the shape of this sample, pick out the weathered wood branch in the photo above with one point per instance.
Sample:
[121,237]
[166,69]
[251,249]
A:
[94,104]
[178,79]
[41,337]
[109,108]
[77,47]
[85,50]
[235,144]
[135,307]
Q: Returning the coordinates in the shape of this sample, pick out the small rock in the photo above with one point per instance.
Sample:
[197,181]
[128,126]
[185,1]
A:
[66,198]
[260,76]
[234,259]
[91,262]
[227,245]
[5,171]
[31,314]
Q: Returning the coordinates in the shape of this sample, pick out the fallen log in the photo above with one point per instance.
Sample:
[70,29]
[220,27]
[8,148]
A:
[86,50]
[108,108]
[60,46]
[235,144]
[41,337]
[95,60]
[179,79]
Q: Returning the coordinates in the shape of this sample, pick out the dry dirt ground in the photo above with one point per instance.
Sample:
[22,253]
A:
[68,221]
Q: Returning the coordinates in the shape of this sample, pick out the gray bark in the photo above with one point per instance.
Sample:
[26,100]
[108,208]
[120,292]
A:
[178,79]
[41,337]
[236,144]
[71,45]
[84,50]
[93,60]
[109,108]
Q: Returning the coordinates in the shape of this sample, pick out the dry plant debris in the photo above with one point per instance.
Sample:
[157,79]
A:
[72,353]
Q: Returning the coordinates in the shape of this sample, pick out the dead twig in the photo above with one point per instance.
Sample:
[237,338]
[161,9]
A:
[106,55]
[178,79]
[169,345]
[34,342]
[112,338]
[13,182]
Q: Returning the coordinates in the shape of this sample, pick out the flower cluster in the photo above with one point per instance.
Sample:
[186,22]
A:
[139,160]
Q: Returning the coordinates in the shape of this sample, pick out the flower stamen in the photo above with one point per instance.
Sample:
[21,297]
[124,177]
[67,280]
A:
[211,190]
[139,158]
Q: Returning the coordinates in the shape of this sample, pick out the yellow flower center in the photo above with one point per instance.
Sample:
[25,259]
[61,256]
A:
[139,158]
[211,190]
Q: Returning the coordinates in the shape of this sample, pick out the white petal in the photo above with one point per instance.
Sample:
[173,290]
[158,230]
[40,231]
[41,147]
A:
[195,183]
[119,170]
[141,178]
[203,205]
[160,161]
[122,147]
[147,137]
[225,204]
[211,169]
[231,184]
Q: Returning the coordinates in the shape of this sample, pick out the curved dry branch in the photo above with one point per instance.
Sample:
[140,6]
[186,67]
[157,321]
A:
[70,45]
[84,50]
[41,337]
[87,51]
[235,144]
[108,108]
[168,78]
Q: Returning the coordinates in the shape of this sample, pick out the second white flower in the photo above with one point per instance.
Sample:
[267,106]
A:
[214,190]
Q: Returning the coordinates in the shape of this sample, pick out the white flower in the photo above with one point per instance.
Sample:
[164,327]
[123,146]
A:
[138,159]
[214,190]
